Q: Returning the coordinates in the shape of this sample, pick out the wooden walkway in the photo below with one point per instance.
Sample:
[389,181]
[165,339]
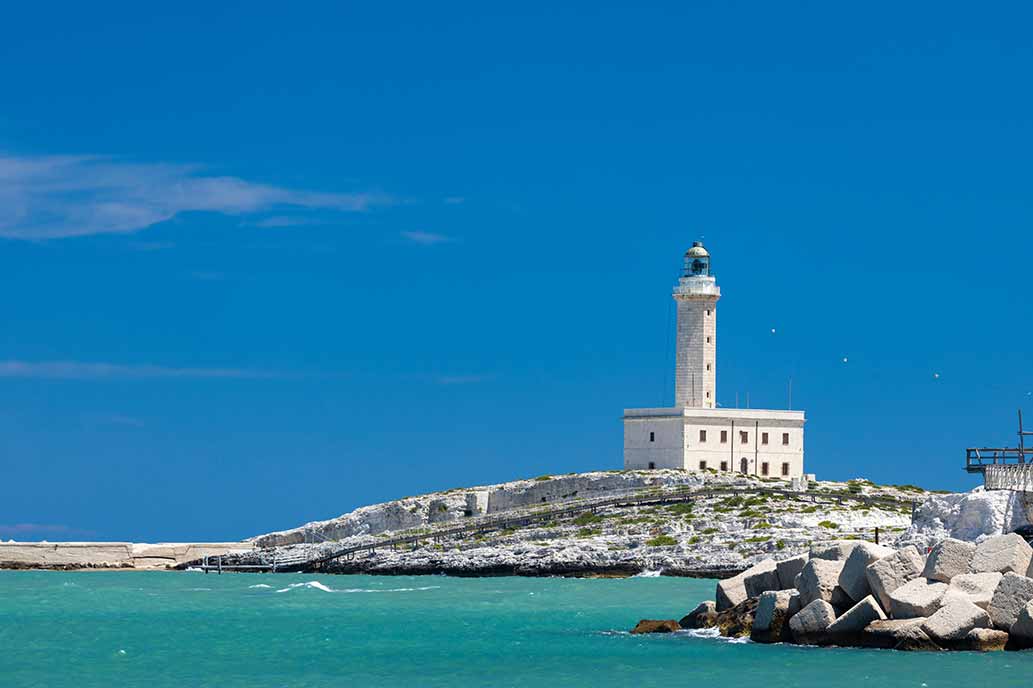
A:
[642,497]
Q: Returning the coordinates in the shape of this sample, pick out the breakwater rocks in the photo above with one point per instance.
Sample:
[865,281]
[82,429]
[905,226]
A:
[960,596]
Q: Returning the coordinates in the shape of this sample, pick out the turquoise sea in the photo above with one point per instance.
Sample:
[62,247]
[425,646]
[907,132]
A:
[188,629]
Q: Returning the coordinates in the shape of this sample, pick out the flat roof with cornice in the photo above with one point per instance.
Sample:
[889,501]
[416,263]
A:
[715,413]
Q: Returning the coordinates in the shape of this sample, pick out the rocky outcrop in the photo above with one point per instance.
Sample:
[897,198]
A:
[977,588]
[1003,553]
[1012,594]
[853,578]
[771,621]
[761,577]
[981,640]
[703,616]
[948,559]
[920,597]
[810,625]
[656,626]
[897,634]
[737,621]
[846,630]
[889,573]
[954,621]
[819,580]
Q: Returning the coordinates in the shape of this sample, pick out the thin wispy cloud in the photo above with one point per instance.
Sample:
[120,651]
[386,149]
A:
[37,529]
[53,197]
[461,379]
[427,238]
[79,370]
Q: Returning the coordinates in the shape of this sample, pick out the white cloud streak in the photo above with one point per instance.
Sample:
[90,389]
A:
[53,197]
[427,238]
[78,370]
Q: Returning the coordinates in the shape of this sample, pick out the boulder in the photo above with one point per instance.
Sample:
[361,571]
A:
[788,570]
[954,621]
[703,616]
[761,578]
[949,558]
[834,550]
[853,578]
[1022,630]
[730,592]
[737,621]
[656,626]
[771,620]
[981,640]
[886,575]
[846,630]
[819,580]
[1005,553]
[888,634]
[1012,594]
[809,626]
[920,597]
[977,588]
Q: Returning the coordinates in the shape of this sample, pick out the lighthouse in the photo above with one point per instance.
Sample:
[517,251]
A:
[698,432]
[695,371]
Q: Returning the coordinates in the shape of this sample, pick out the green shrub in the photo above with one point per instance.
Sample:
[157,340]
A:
[762,525]
[662,541]
[780,545]
[751,513]
[587,519]
[809,509]
[709,531]
[683,509]
[588,532]
[759,538]
[543,478]
[694,540]
[828,524]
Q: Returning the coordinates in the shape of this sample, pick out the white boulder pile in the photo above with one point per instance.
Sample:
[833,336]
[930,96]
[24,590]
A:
[961,596]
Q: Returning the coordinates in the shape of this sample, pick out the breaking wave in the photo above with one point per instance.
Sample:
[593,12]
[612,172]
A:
[316,585]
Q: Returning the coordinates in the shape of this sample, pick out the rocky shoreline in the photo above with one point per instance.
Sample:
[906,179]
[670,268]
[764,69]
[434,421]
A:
[961,596]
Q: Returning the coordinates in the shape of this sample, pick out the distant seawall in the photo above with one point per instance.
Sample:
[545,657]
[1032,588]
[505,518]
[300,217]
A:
[108,555]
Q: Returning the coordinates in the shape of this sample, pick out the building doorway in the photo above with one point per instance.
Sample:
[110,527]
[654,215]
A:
[744,465]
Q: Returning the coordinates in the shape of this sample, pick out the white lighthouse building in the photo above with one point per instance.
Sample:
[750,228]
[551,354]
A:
[698,434]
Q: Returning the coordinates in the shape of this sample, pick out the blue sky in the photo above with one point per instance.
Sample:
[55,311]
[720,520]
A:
[263,265]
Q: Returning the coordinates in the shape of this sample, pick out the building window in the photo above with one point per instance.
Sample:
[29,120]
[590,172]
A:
[708,311]
[652,436]
[744,465]
[724,465]
[708,366]
[652,465]
[785,438]
[785,469]
[763,438]
[744,437]
[708,395]
[724,437]
[764,468]
[702,465]
[708,340]
[702,435]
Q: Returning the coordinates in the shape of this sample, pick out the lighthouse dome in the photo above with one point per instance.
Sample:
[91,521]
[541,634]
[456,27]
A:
[697,251]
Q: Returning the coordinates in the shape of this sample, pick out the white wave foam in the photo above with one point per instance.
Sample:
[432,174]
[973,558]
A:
[308,584]
[260,585]
[648,574]
[319,586]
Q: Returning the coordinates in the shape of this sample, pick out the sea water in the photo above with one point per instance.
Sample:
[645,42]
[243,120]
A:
[189,629]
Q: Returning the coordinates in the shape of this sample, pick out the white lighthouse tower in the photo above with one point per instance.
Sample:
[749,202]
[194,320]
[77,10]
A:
[695,370]
[697,433]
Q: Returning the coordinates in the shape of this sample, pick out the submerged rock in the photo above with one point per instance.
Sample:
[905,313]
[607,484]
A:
[656,626]
[737,621]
